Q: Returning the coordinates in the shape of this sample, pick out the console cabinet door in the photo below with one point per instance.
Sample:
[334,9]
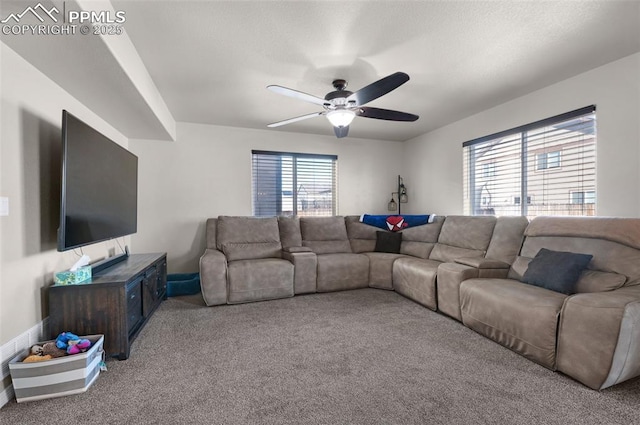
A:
[134,306]
[161,291]
[149,291]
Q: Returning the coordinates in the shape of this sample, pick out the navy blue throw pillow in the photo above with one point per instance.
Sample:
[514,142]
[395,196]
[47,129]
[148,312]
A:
[388,242]
[556,270]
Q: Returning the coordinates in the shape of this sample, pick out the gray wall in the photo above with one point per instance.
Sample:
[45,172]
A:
[31,117]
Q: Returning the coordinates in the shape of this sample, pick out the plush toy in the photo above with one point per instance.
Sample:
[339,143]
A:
[37,350]
[62,341]
[78,346]
[72,343]
[50,349]
[36,358]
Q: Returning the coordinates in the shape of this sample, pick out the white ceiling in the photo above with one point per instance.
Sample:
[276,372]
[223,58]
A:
[211,61]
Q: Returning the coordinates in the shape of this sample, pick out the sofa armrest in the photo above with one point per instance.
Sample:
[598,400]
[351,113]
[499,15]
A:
[483,263]
[487,267]
[213,277]
[451,275]
[305,266]
[449,278]
[296,249]
[599,337]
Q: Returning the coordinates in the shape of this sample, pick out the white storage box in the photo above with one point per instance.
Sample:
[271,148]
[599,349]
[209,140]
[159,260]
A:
[57,377]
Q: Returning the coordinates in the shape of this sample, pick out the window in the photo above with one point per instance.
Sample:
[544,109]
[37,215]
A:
[580,197]
[541,162]
[293,184]
[547,160]
[489,169]
[516,200]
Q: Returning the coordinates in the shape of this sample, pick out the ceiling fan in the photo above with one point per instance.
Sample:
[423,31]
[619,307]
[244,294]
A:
[342,106]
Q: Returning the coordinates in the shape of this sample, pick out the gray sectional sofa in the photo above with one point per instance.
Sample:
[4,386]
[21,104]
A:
[472,269]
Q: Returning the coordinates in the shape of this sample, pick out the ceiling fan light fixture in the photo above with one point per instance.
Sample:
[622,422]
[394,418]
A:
[341,117]
[341,106]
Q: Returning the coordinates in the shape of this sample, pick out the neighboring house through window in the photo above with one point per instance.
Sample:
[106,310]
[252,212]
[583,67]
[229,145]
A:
[580,197]
[293,184]
[541,162]
[489,169]
[548,160]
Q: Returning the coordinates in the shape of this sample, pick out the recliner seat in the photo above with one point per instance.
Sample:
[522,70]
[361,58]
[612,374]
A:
[461,236]
[254,269]
[339,268]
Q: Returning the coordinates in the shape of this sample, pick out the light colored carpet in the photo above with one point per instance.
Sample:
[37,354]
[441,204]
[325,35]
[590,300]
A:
[356,357]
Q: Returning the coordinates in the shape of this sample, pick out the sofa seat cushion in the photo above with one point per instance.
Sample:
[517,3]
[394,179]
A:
[415,278]
[521,317]
[256,280]
[381,269]
[338,272]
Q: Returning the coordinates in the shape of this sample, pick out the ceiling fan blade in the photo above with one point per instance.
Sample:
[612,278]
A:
[290,120]
[297,94]
[341,131]
[385,114]
[379,88]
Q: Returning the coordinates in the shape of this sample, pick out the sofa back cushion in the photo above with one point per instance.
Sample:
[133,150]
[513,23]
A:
[596,281]
[507,238]
[362,237]
[614,244]
[325,235]
[210,233]
[419,241]
[463,236]
[248,238]
[625,231]
[290,235]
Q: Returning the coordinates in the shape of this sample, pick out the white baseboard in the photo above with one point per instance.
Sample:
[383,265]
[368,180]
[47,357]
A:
[12,348]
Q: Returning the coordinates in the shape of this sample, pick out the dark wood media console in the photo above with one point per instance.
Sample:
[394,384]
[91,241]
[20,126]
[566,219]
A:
[117,302]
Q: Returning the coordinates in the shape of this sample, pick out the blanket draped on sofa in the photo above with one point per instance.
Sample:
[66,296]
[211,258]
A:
[395,223]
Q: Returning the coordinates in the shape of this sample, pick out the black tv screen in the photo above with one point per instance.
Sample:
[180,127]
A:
[99,187]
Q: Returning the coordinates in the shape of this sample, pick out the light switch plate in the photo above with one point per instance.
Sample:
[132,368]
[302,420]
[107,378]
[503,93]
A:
[4,206]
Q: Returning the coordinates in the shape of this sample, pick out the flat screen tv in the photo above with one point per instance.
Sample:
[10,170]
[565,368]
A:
[99,187]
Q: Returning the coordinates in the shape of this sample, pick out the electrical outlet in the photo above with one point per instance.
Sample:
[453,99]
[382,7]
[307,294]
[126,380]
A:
[4,206]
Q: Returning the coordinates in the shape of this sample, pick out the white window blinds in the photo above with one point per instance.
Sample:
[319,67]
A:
[293,184]
[543,168]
